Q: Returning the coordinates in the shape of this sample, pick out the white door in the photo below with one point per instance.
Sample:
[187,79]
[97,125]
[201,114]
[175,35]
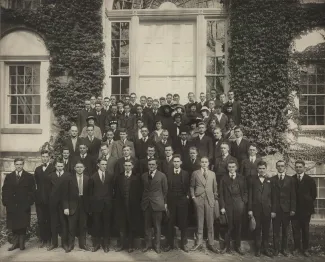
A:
[166,59]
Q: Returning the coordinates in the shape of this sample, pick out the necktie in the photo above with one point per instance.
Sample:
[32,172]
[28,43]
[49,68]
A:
[193,161]
[82,156]
[282,177]
[44,165]
[300,178]
[176,172]
[80,185]
[252,160]
[18,175]
[150,175]
[233,177]
[103,177]
[205,174]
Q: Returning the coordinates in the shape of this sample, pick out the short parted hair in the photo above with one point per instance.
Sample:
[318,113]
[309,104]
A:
[151,146]
[193,148]
[45,152]
[169,145]
[139,119]
[129,161]
[231,91]
[153,159]
[83,143]
[106,97]
[169,94]
[201,124]
[225,143]
[139,106]
[73,125]
[133,94]
[58,160]
[122,130]
[65,148]
[177,156]
[79,162]
[110,130]
[103,144]
[253,145]
[19,159]
[231,162]
[126,146]
[162,98]
[155,100]
[279,161]
[237,127]
[300,162]
[91,126]
[143,97]
[101,159]
[262,163]
[98,103]
[125,105]
[204,157]
[144,127]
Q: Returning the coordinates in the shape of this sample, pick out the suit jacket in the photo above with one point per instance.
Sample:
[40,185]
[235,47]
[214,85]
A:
[69,167]
[222,123]
[143,165]
[199,105]
[217,144]
[285,193]
[185,181]
[249,169]
[56,189]
[68,143]
[89,162]
[18,196]
[119,166]
[101,194]
[141,147]
[97,132]
[164,166]
[160,148]
[240,151]
[111,117]
[146,120]
[200,185]
[100,120]
[42,183]
[221,165]
[190,167]
[236,112]
[93,147]
[306,193]
[261,196]
[111,161]
[134,108]
[154,192]
[128,123]
[204,146]
[81,119]
[117,148]
[70,191]
[184,151]
[173,131]
[226,194]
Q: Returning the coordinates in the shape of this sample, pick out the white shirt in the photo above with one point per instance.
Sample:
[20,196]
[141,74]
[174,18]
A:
[252,158]
[238,140]
[80,183]
[144,138]
[164,142]
[301,176]
[19,173]
[261,178]
[110,142]
[101,175]
[44,167]
[59,174]
[91,138]
[201,136]
[153,173]
[202,170]
[232,176]
[218,117]
[65,161]
[224,156]
[178,170]
[83,155]
[74,142]
[169,158]
[280,175]
[183,142]
[139,134]
[128,174]
[231,101]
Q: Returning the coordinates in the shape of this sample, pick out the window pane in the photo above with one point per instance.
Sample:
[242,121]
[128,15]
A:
[21,119]
[303,79]
[303,100]
[28,89]
[303,110]
[125,85]
[321,193]
[320,79]
[28,119]
[125,31]
[320,89]
[20,89]
[311,100]
[21,109]
[13,109]
[20,80]
[12,80]
[14,100]
[321,182]
[211,66]
[124,49]
[36,100]
[13,119]
[12,70]
[36,80]
[13,90]
[36,119]
[21,70]
[304,89]
[115,48]
[304,120]
[124,69]
[36,110]
[215,82]
[115,31]
[36,89]
[311,120]
[116,85]
[115,66]
[312,89]
[311,110]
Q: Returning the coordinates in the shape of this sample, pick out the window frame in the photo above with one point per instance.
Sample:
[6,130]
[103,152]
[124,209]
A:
[8,96]
[316,216]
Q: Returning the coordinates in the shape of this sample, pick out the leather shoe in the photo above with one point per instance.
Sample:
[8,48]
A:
[257,253]
[295,252]
[119,249]
[51,247]
[43,244]
[196,247]
[268,253]
[95,248]
[168,248]
[185,248]
[285,253]
[13,247]
[240,251]
[213,249]
[67,249]
[130,250]
[146,249]
[306,253]
[158,250]
[225,250]
[106,249]
[86,248]
[276,253]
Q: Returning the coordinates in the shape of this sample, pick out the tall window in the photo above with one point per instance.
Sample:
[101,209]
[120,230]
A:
[24,4]
[24,93]
[312,98]
[120,60]
[320,201]
[215,56]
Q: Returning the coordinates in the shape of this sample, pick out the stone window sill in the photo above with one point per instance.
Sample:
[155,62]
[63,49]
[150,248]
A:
[35,131]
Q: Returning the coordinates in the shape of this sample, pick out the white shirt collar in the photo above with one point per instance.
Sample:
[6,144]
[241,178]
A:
[79,176]
[169,158]
[225,155]
[100,172]
[301,175]
[281,174]
[178,170]
[145,139]
[153,173]
[83,155]
[238,140]
[202,170]
[59,173]
[128,174]
[201,136]
[252,158]
[232,174]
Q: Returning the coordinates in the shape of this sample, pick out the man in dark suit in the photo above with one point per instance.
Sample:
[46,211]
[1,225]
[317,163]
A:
[92,142]
[167,163]
[193,163]
[306,192]
[175,128]
[73,141]
[221,163]
[261,206]
[75,204]
[134,105]
[100,117]
[248,167]
[82,116]
[144,117]
[154,113]
[220,118]
[160,146]
[236,108]
[128,193]
[41,176]
[101,188]
[233,198]
[285,207]
[111,160]
[112,116]
[141,145]
[85,158]
[67,160]
[154,203]
[55,203]
[204,193]
[239,147]
[18,194]
[191,102]
[119,165]
[182,145]
[203,143]
[127,120]
[203,102]
[217,141]
[143,163]
[177,201]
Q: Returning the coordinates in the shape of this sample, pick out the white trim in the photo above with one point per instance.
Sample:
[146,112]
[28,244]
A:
[312,127]
[133,54]
[201,28]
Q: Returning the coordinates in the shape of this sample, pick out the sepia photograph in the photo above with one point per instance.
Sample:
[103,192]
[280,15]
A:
[162,130]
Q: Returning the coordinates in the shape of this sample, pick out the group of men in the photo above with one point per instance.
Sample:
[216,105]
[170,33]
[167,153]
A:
[136,181]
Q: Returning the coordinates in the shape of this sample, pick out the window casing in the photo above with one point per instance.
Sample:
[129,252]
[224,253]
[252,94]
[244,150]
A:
[320,200]
[21,4]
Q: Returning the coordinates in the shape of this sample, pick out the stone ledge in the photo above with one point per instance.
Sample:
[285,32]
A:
[36,131]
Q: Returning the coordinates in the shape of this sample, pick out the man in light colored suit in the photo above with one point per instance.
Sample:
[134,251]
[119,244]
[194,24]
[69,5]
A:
[117,147]
[204,193]
[111,161]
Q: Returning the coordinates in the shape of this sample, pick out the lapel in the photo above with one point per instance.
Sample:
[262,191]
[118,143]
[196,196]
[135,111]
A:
[260,184]
[22,177]
[183,176]
[155,178]
[75,181]
[201,177]
[85,183]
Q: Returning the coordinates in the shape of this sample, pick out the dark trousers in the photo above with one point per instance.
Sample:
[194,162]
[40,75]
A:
[282,219]
[235,214]
[76,224]
[44,222]
[178,211]
[102,223]
[57,222]
[300,228]
[152,218]
[127,230]
[262,230]
[18,236]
